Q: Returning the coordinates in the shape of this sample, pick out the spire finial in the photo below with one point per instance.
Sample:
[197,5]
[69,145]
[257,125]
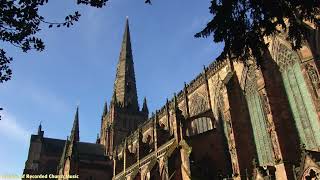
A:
[105,109]
[175,101]
[98,139]
[145,106]
[40,126]
[76,118]
[75,128]
[40,132]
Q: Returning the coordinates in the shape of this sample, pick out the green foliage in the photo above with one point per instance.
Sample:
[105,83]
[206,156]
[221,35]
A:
[5,71]
[242,24]
[20,22]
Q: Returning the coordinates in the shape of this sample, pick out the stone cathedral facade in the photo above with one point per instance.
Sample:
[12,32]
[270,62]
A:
[233,121]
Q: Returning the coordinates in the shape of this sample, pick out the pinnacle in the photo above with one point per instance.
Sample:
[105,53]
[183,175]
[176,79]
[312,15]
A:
[75,128]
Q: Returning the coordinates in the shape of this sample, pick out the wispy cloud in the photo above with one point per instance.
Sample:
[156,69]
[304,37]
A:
[11,129]
[29,93]
[45,98]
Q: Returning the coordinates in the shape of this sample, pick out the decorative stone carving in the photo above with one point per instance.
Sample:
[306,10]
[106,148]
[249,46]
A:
[235,165]
[243,76]
[196,83]
[220,100]
[198,104]
[311,173]
[265,102]
[232,145]
[314,78]
[146,176]
[270,126]
[285,57]
[216,86]
[183,144]
[275,146]
[183,107]
[163,168]
[251,82]
[215,66]
[229,132]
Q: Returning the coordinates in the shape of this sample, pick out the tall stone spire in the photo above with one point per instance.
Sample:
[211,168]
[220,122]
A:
[125,90]
[74,137]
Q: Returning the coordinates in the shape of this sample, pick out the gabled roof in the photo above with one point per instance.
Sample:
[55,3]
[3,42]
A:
[52,146]
[91,149]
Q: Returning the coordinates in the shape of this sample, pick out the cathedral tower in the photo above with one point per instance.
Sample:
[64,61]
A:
[123,115]
[125,84]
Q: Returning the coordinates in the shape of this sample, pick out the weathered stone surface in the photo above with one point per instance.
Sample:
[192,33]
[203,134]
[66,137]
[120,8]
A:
[234,120]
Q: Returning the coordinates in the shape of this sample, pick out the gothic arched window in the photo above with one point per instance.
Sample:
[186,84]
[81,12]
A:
[200,125]
[300,100]
[258,119]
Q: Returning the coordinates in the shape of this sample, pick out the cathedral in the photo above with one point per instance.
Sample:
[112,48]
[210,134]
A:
[235,120]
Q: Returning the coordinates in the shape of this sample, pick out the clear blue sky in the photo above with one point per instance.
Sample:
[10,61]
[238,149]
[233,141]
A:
[79,63]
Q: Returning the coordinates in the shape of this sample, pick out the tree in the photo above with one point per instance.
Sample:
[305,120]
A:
[19,23]
[240,24]
[243,24]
